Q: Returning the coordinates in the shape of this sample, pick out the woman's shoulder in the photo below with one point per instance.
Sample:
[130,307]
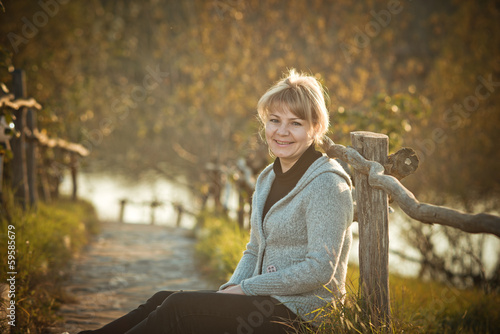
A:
[325,168]
[266,175]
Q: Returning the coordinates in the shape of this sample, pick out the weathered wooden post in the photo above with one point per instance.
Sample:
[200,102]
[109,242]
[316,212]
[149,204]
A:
[44,178]
[4,146]
[373,211]
[19,168]
[74,174]
[123,202]
[180,211]
[31,157]
[152,214]
[154,204]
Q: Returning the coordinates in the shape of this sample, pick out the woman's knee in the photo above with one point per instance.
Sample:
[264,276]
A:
[183,302]
[178,299]
[159,297]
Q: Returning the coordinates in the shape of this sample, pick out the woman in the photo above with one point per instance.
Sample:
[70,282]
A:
[300,234]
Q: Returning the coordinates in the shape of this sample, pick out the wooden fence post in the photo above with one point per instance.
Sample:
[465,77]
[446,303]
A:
[180,211]
[152,222]
[31,157]
[373,211]
[19,168]
[121,216]
[154,204]
[44,178]
[74,171]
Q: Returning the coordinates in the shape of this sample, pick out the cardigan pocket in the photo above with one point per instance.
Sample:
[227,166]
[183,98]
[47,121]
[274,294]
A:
[297,260]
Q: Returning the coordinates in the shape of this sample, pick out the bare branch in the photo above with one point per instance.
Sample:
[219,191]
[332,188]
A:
[8,101]
[44,140]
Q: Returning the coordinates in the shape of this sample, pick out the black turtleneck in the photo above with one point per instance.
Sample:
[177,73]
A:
[285,182]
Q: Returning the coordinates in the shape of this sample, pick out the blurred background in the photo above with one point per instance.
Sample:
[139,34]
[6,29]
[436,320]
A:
[163,95]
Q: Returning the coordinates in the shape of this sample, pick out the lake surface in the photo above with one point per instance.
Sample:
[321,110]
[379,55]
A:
[106,191]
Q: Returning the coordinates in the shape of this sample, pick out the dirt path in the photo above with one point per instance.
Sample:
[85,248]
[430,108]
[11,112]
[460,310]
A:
[123,267]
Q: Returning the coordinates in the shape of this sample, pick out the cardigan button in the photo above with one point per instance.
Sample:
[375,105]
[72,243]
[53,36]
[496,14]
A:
[271,269]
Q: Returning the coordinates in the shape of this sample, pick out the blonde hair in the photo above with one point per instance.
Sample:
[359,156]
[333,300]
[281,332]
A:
[303,96]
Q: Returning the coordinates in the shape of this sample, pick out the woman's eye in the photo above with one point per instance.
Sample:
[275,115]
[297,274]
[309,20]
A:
[297,124]
[273,120]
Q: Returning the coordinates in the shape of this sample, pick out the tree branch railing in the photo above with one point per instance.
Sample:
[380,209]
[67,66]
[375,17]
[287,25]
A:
[376,178]
[179,208]
[425,213]
[16,104]
[24,143]
[62,144]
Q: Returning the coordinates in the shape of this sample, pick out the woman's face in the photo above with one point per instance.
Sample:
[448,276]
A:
[288,137]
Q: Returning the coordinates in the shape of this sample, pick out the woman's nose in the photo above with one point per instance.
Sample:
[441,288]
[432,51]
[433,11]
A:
[283,130]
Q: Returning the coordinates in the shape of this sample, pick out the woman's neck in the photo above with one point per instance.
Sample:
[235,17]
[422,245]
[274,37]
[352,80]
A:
[286,165]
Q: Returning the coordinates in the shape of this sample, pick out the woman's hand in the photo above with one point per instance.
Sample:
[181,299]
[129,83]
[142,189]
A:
[233,289]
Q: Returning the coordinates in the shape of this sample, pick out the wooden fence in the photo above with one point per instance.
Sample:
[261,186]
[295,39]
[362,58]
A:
[373,182]
[180,209]
[27,143]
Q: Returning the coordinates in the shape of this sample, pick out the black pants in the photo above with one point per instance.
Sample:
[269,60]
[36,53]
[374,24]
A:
[204,312]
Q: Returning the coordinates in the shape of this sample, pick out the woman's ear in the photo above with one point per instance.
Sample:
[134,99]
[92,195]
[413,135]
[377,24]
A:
[314,132]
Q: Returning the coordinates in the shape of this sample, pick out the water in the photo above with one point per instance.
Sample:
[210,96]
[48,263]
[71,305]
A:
[397,244]
[105,192]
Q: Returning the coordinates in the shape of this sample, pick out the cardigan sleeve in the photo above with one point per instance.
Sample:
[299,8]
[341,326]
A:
[328,217]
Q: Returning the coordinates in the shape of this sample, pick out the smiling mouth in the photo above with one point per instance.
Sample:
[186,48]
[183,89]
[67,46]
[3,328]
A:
[283,142]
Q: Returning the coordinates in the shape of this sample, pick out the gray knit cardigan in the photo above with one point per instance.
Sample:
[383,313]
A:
[302,245]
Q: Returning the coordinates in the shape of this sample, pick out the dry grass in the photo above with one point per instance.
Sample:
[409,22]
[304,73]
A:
[46,239]
[416,306]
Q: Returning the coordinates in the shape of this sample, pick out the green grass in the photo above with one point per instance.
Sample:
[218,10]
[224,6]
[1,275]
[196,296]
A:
[220,246]
[416,306]
[46,239]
